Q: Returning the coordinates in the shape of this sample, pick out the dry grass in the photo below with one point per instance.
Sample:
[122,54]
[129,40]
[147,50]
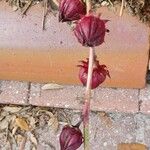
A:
[139,8]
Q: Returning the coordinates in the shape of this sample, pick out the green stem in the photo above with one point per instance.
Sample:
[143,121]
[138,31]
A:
[86,107]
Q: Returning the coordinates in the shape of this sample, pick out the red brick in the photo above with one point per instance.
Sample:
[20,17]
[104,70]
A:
[13,92]
[104,99]
[28,53]
[132,146]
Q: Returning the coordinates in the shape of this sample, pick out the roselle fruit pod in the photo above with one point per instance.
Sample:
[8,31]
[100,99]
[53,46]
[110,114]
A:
[90,31]
[70,138]
[70,10]
[98,76]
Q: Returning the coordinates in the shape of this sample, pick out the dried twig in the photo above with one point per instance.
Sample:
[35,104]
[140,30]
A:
[88,6]
[23,143]
[56,2]
[121,9]
[44,14]
[26,8]
[110,2]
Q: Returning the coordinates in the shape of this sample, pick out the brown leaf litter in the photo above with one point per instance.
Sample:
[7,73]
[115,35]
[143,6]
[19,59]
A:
[18,123]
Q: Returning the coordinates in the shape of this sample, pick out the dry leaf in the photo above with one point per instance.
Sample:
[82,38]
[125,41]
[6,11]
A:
[106,120]
[34,148]
[12,109]
[32,138]
[52,86]
[23,143]
[104,3]
[4,124]
[3,115]
[46,112]
[12,122]
[14,130]
[32,122]
[18,138]
[21,122]
[15,8]
[53,123]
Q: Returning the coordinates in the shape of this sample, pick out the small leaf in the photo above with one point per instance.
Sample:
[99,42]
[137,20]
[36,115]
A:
[53,123]
[21,122]
[19,138]
[33,138]
[46,112]
[4,124]
[32,122]
[33,148]
[106,120]
[52,86]
[104,3]
[15,8]
[12,109]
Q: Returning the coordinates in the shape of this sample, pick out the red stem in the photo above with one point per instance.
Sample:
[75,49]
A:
[86,107]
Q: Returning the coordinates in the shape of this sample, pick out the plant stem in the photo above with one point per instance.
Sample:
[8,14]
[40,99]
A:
[86,107]
[44,14]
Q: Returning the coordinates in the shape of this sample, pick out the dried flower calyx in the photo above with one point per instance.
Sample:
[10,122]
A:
[98,76]
[70,138]
[70,10]
[90,31]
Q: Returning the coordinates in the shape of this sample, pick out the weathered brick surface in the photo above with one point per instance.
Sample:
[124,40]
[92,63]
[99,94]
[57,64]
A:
[103,99]
[124,128]
[144,97]
[120,100]
[13,92]
[28,53]
[68,97]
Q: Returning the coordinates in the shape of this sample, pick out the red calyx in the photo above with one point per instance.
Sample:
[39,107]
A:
[98,76]
[90,31]
[70,138]
[70,10]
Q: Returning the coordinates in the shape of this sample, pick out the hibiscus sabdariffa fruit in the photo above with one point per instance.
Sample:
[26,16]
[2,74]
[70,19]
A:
[98,76]
[70,138]
[71,10]
[90,31]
